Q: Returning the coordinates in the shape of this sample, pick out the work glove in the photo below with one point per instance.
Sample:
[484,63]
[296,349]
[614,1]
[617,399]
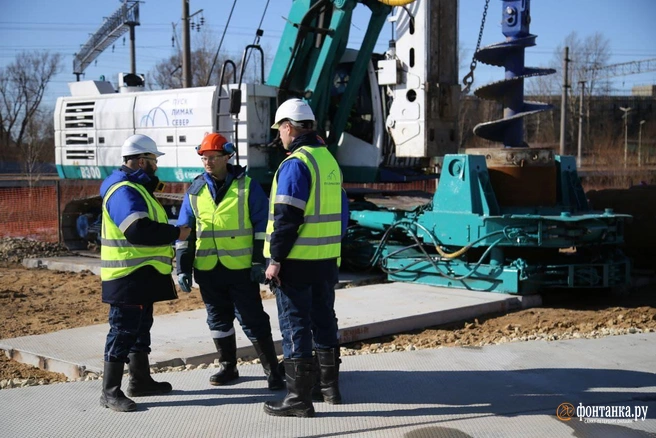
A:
[257,273]
[184,280]
[273,285]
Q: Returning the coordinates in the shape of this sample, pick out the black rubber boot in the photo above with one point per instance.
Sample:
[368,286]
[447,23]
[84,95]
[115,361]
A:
[267,354]
[281,369]
[112,397]
[317,395]
[227,348]
[329,375]
[141,383]
[298,401]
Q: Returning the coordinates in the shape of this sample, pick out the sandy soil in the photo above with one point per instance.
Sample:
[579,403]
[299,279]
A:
[36,301]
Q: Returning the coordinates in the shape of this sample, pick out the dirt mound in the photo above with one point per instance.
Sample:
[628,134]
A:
[14,250]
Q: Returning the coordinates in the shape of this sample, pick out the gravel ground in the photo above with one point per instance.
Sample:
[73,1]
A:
[36,301]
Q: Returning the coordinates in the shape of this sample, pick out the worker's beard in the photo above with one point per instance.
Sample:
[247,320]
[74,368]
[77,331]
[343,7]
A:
[149,169]
[153,184]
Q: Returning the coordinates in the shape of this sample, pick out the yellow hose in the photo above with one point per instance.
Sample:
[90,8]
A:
[396,2]
[453,255]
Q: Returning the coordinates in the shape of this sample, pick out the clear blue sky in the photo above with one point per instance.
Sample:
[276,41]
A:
[64,25]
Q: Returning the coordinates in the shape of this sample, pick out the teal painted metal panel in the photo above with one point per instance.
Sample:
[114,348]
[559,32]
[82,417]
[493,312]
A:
[304,68]
[165,174]
[464,239]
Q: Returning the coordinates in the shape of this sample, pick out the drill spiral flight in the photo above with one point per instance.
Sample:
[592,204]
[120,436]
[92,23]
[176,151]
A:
[510,91]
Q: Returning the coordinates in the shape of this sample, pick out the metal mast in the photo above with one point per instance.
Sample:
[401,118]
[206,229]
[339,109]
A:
[124,19]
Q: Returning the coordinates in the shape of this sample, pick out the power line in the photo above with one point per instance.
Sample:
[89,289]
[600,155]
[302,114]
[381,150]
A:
[220,43]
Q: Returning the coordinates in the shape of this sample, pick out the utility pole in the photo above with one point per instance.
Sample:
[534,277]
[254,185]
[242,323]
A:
[563,102]
[186,41]
[133,50]
[642,122]
[579,154]
[186,46]
[626,138]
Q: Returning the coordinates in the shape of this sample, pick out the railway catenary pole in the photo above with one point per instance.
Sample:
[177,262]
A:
[563,102]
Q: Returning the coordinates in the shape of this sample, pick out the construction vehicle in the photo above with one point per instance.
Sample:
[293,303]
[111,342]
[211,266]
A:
[512,219]
[376,128]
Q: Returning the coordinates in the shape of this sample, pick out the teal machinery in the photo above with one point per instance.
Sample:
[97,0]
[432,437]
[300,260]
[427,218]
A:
[512,219]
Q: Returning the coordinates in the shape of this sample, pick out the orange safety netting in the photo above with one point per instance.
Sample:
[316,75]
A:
[31,211]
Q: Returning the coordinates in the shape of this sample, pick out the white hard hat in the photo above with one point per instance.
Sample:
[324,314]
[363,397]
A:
[139,144]
[293,109]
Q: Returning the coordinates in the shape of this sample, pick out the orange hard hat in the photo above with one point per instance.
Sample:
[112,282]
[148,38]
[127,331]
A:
[215,142]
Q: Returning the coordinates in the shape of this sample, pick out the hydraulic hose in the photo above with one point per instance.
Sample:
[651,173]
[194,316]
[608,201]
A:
[396,2]
[432,261]
[407,224]
[457,253]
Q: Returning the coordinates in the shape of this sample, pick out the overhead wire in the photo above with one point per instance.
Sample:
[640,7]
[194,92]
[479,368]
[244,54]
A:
[259,32]
[216,56]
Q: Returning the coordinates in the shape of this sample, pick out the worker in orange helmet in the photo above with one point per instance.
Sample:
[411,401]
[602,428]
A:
[227,212]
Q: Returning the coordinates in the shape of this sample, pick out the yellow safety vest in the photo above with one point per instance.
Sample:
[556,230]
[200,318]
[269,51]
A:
[224,231]
[320,235]
[118,257]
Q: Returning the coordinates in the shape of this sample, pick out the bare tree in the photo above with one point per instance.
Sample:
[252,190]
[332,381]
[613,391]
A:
[22,86]
[168,72]
[39,140]
[594,53]
[586,55]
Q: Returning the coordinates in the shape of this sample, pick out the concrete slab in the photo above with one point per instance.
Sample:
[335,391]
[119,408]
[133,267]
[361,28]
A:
[508,390]
[363,312]
[65,263]
[89,261]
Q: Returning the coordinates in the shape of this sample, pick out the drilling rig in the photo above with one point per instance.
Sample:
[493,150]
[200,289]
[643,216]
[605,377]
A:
[511,219]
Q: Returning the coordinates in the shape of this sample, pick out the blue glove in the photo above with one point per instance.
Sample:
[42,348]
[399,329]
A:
[257,273]
[184,280]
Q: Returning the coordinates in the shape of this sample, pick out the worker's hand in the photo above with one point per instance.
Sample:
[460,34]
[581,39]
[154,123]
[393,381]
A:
[184,280]
[184,232]
[271,274]
[257,273]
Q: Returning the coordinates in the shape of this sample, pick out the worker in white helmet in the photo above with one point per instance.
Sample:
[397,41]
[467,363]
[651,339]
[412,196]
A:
[136,265]
[308,215]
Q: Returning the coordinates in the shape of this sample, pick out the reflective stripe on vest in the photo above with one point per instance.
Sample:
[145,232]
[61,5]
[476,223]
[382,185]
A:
[224,231]
[320,235]
[118,257]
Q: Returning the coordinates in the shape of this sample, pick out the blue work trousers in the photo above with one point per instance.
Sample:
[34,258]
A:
[306,313]
[129,331]
[242,300]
